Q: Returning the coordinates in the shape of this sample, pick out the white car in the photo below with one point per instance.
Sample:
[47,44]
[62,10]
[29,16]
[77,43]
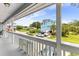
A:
[46,34]
[40,35]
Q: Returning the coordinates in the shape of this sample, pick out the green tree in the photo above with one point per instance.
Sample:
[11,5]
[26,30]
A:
[75,22]
[65,29]
[18,27]
[36,25]
[75,26]
[53,28]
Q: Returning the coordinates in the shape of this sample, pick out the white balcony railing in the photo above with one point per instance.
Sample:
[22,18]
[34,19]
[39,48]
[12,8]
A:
[35,46]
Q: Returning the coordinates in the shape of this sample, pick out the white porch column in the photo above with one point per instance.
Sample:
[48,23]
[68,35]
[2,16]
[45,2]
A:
[4,30]
[58,29]
[12,28]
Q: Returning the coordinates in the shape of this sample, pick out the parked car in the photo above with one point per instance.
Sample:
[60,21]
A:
[40,35]
[46,34]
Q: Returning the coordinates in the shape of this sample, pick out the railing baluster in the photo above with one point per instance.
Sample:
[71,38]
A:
[27,47]
[13,38]
[45,50]
[24,46]
[35,48]
[49,51]
[39,49]
[63,52]
[42,50]
[22,43]
[32,47]
[18,42]
[54,52]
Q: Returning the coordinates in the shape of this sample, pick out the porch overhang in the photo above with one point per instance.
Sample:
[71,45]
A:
[26,9]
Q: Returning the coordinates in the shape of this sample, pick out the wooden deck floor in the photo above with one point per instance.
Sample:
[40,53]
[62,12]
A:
[8,49]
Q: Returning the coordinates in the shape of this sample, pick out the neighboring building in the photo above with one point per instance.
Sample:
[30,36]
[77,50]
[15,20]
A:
[46,25]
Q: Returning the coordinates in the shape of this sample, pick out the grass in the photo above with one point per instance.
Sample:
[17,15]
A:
[27,32]
[73,54]
[52,38]
[70,38]
[22,30]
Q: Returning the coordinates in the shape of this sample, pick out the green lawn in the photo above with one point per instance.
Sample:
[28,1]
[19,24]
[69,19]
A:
[27,32]
[70,38]
[73,54]
[22,30]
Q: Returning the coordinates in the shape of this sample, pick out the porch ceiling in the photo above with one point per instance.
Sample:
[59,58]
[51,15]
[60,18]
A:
[6,12]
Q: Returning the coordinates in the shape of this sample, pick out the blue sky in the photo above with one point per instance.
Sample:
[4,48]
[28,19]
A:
[69,13]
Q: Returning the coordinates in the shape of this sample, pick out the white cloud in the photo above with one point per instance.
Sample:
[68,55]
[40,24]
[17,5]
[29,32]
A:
[66,21]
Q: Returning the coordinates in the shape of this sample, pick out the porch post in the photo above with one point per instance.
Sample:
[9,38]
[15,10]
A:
[4,30]
[58,29]
[12,30]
